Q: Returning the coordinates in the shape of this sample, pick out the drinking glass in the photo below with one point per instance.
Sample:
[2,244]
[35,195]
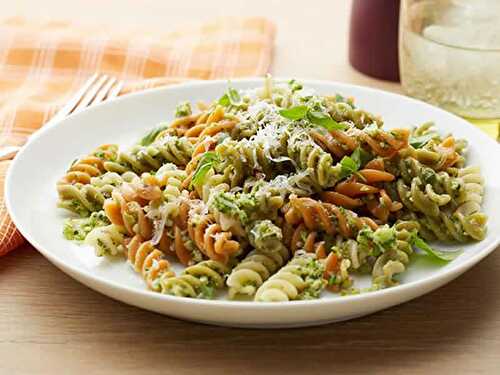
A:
[449,54]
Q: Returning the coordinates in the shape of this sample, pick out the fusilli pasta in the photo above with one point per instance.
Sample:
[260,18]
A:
[275,193]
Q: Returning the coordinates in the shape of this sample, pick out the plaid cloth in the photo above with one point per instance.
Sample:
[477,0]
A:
[43,65]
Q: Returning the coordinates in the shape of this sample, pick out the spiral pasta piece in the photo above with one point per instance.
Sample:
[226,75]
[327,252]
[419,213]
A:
[107,240]
[92,165]
[84,199]
[208,135]
[382,143]
[383,252]
[441,183]
[326,217]
[212,184]
[168,175]
[336,142]
[265,236]
[209,237]
[447,207]
[108,181]
[340,143]
[310,157]
[258,202]
[264,152]
[87,184]
[301,278]
[253,270]
[452,228]
[343,110]
[211,128]
[149,262]
[197,281]
[296,237]
[471,201]
[395,258]
[168,149]
[80,199]
[129,215]
[430,149]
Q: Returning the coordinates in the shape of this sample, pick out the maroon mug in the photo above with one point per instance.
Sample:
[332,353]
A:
[373,38]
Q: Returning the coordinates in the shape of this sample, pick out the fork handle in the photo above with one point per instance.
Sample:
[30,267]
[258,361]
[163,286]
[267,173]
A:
[7,153]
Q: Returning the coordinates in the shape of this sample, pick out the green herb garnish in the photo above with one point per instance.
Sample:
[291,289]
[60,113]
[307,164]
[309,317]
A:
[445,256]
[294,85]
[207,291]
[77,229]
[224,101]
[207,162]
[332,280]
[231,97]
[324,120]
[302,112]
[350,164]
[422,140]
[295,113]
[229,203]
[151,136]
[340,99]
[361,156]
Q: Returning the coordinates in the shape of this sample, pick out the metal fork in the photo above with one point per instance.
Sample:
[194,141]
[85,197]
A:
[96,89]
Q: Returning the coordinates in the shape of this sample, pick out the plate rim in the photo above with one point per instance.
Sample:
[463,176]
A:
[452,272]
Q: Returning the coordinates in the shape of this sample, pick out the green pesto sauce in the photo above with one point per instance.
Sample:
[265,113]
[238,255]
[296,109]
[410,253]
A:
[312,274]
[183,109]
[77,229]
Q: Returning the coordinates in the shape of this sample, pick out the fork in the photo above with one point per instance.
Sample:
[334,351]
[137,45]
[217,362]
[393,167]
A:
[98,88]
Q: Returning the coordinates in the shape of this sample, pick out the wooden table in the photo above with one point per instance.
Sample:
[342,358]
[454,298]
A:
[51,324]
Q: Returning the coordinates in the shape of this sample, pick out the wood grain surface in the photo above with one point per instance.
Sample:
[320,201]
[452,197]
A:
[51,324]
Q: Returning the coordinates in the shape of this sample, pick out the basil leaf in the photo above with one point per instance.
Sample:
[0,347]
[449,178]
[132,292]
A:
[351,164]
[295,113]
[234,96]
[151,136]
[340,99]
[356,157]
[207,162]
[231,97]
[324,120]
[348,166]
[294,85]
[224,101]
[360,156]
[445,256]
[209,157]
[422,140]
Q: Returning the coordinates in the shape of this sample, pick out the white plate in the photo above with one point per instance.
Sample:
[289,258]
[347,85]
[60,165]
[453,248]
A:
[31,199]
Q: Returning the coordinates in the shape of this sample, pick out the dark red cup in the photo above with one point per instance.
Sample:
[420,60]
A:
[373,38]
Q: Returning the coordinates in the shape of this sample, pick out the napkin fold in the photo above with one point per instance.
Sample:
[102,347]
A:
[43,64]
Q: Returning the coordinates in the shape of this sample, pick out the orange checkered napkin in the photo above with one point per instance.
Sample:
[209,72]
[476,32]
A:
[43,65]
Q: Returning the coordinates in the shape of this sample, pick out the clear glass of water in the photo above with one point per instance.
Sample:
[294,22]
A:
[449,54]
